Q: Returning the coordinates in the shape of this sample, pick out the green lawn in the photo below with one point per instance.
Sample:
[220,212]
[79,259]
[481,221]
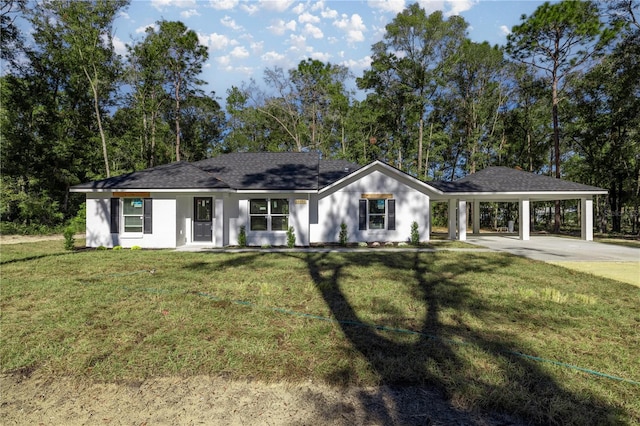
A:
[452,320]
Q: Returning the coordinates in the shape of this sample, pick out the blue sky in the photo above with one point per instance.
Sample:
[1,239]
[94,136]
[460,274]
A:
[245,37]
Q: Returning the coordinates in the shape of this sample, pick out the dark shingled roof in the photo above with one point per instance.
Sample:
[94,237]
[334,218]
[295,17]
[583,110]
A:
[240,171]
[177,175]
[276,170]
[505,179]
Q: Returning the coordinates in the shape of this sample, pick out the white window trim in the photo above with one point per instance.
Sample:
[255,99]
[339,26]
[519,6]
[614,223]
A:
[269,216]
[123,230]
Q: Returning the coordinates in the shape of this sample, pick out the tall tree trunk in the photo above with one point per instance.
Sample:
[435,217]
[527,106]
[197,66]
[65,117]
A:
[94,89]
[420,148]
[556,143]
[177,120]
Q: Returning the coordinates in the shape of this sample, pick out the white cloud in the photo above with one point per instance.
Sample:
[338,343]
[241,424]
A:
[223,4]
[324,57]
[359,64]
[224,60]
[279,27]
[239,52]
[353,26]
[313,31]
[297,42]
[505,30]
[299,9]
[215,41]
[329,13]
[275,5]
[183,4]
[250,8]
[230,23]
[143,29]
[307,17]
[248,71]
[394,6]
[189,13]
[272,57]
[459,6]
[257,47]
[119,46]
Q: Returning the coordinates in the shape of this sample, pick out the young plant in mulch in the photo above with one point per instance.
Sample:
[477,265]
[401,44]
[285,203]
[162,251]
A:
[415,234]
[242,236]
[343,237]
[291,237]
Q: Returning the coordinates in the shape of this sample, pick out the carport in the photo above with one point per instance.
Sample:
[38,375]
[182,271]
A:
[503,184]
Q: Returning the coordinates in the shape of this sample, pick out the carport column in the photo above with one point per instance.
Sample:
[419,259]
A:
[525,220]
[476,216]
[218,223]
[452,219]
[462,220]
[586,225]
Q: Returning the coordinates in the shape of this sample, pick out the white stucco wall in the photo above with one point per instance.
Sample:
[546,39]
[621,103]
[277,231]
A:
[237,208]
[341,204]
[98,221]
[163,223]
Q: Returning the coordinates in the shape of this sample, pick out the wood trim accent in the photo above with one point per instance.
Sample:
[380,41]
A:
[375,196]
[132,194]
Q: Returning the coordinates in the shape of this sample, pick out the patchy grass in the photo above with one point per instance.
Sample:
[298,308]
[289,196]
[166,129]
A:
[447,319]
[626,242]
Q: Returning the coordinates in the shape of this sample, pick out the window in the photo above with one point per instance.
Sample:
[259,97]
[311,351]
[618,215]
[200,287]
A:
[133,213]
[377,213]
[269,214]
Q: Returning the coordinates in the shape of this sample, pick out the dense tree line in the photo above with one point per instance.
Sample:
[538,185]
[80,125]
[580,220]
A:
[562,97]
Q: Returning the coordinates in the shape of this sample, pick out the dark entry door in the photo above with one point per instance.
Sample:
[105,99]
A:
[202,218]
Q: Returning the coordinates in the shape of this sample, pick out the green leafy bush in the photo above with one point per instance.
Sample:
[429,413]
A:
[69,239]
[291,237]
[242,236]
[415,234]
[343,237]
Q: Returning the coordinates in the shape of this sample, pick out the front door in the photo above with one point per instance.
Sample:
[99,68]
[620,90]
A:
[202,219]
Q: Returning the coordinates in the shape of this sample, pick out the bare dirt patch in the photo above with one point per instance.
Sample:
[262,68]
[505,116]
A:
[18,239]
[216,400]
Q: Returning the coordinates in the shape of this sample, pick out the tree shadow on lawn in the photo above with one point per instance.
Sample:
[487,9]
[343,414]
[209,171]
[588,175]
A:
[435,358]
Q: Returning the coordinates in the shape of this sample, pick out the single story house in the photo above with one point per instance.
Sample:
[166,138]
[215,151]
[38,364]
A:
[208,202]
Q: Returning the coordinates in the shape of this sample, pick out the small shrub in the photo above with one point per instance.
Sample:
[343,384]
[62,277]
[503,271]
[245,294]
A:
[291,237]
[266,246]
[242,236]
[343,237]
[117,248]
[101,248]
[363,244]
[136,248]
[415,234]
[69,239]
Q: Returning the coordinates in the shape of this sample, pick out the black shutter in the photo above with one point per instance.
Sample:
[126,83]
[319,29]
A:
[147,216]
[115,215]
[362,218]
[391,215]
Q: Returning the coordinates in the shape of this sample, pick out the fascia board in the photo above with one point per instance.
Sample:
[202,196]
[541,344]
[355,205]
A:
[550,195]
[276,191]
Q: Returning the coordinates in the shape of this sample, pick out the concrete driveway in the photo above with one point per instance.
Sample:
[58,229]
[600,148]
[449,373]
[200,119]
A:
[607,260]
